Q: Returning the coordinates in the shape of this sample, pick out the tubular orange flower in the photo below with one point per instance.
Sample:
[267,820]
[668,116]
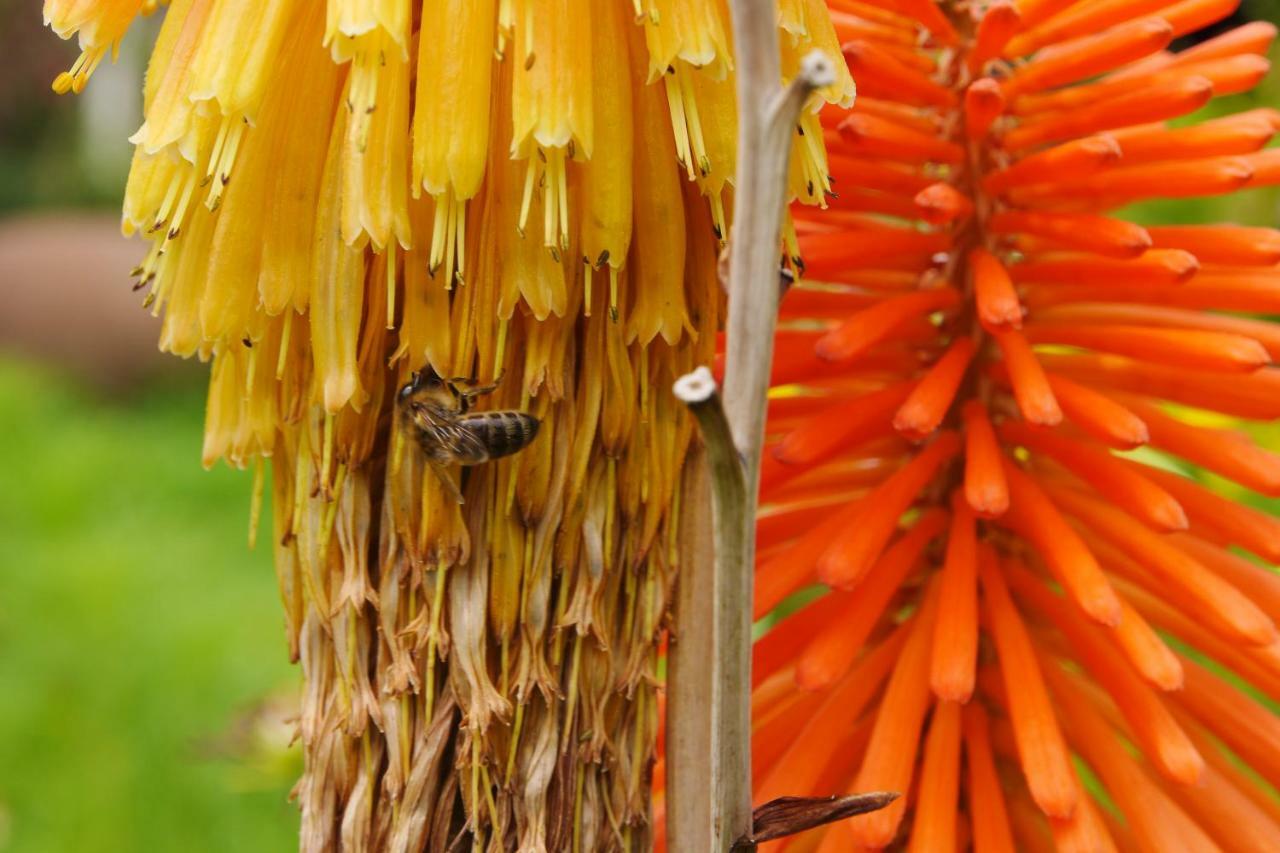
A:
[1016,332]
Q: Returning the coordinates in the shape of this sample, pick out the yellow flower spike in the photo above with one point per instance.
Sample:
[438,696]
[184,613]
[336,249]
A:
[180,332]
[551,105]
[375,164]
[694,31]
[230,297]
[368,34]
[657,264]
[717,117]
[236,80]
[423,339]
[337,290]
[818,34]
[532,469]
[169,111]
[355,434]
[607,175]
[451,117]
[619,413]
[101,24]
[308,89]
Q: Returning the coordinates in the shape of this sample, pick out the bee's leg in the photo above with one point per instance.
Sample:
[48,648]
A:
[442,473]
[469,393]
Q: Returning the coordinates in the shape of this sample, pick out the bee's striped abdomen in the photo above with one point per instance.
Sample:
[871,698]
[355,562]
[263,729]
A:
[500,433]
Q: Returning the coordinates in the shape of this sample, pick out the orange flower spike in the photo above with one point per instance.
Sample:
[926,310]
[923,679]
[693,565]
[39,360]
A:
[791,569]
[998,305]
[1222,807]
[1083,832]
[1114,238]
[930,400]
[776,651]
[874,136]
[1190,15]
[1101,417]
[1035,518]
[1197,350]
[1249,728]
[827,256]
[891,754]
[1229,771]
[1153,268]
[800,766]
[934,828]
[998,24]
[1030,385]
[1237,524]
[1265,166]
[1227,452]
[1228,76]
[852,552]
[1153,817]
[990,819]
[875,175]
[1108,475]
[941,203]
[1234,245]
[1162,740]
[870,326]
[882,72]
[829,654]
[1241,133]
[842,426]
[1033,12]
[1165,562]
[1078,158]
[1082,20]
[1265,333]
[955,631]
[1246,395]
[1262,585]
[985,488]
[1154,103]
[983,104]
[1175,179]
[1090,55]
[931,18]
[849,27]
[1046,763]
[916,118]
[1254,37]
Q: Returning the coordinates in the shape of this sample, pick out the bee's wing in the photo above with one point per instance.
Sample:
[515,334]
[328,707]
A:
[466,445]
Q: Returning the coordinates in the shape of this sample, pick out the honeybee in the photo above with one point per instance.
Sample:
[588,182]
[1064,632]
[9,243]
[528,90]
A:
[436,409]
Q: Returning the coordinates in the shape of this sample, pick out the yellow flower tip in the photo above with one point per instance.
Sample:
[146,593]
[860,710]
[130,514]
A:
[62,83]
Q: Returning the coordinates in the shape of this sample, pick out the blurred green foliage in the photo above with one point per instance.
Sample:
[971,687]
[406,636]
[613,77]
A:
[138,634]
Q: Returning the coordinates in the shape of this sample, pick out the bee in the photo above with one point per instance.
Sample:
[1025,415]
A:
[437,410]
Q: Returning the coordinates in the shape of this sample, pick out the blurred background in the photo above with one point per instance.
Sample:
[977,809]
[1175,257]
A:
[147,695]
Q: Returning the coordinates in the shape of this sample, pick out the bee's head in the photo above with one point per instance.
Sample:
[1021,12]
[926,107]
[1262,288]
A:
[425,381]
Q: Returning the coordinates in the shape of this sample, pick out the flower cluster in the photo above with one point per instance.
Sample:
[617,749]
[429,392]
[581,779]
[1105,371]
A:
[530,193]
[996,410]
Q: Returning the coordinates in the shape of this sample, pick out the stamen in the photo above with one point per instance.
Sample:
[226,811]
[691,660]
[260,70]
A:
[527,199]
[285,334]
[679,127]
[391,285]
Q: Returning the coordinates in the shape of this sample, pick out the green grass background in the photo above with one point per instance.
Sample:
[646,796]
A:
[138,634]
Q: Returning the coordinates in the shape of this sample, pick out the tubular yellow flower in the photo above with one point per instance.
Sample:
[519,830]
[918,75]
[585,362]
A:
[485,668]
[100,25]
